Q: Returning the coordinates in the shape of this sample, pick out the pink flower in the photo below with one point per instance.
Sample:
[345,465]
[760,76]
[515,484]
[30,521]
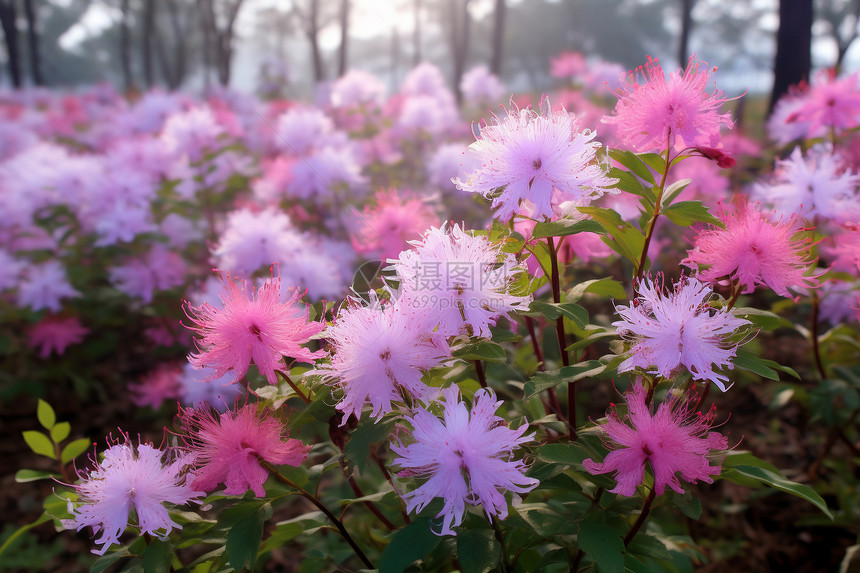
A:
[228,450]
[142,479]
[388,226]
[480,86]
[251,325]
[463,281]
[44,286]
[465,458]
[156,386]
[55,334]
[678,329]
[377,353]
[567,65]
[672,440]
[813,186]
[674,113]
[526,155]
[752,250]
[831,102]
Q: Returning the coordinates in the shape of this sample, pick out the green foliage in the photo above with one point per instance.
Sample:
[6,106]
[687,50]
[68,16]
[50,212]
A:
[415,541]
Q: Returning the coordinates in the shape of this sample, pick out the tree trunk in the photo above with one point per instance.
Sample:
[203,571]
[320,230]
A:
[146,41]
[172,68]
[344,37]
[33,43]
[312,31]
[498,37]
[459,41]
[793,47]
[686,25]
[125,47]
[416,34]
[8,18]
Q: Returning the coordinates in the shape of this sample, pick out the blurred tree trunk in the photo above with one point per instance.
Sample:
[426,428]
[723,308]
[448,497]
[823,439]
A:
[459,41]
[218,39]
[173,68]
[125,46]
[146,41]
[793,47]
[312,31]
[344,37]
[33,42]
[686,25]
[498,37]
[416,33]
[8,18]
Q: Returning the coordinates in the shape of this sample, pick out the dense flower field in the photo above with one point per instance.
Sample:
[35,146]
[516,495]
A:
[365,336]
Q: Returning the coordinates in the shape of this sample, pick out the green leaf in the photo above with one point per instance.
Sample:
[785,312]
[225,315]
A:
[607,287]
[22,530]
[762,366]
[243,538]
[776,481]
[103,563]
[413,542]
[552,311]
[485,350]
[655,161]
[157,556]
[632,162]
[283,533]
[623,237]
[367,433]
[545,521]
[25,476]
[628,182]
[552,378]
[477,550]
[566,454]
[40,443]
[60,432]
[672,191]
[564,228]
[685,213]
[74,449]
[45,414]
[601,543]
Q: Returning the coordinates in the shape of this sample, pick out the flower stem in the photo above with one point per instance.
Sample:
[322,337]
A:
[530,325]
[387,475]
[295,388]
[482,376]
[337,523]
[813,334]
[504,563]
[652,224]
[643,515]
[562,336]
[736,294]
[370,505]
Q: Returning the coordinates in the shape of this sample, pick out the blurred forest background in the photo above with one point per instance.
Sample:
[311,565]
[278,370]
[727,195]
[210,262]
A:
[198,44]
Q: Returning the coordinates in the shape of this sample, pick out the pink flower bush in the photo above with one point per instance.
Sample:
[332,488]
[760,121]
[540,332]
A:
[657,113]
[388,226]
[463,281]
[526,156]
[752,251]
[377,354]
[156,386]
[678,329]
[142,479]
[53,334]
[252,324]
[466,457]
[813,186]
[228,449]
[674,440]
